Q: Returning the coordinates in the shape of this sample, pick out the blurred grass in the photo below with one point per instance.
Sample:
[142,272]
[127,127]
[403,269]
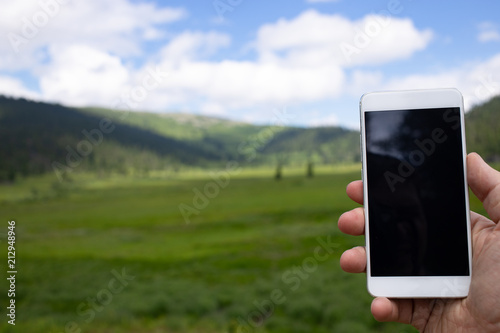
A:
[256,236]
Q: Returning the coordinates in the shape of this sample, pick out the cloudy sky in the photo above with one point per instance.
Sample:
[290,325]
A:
[246,59]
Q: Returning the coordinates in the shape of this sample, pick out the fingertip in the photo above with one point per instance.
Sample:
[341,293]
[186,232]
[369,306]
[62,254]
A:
[353,184]
[475,169]
[484,181]
[473,166]
[352,222]
[354,260]
[383,309]
[473,154]
[354,191]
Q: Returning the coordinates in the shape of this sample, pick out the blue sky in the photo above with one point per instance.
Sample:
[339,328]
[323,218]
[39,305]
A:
[246,60]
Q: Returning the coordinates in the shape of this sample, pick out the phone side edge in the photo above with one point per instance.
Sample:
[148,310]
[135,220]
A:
[365,187]
[466,184]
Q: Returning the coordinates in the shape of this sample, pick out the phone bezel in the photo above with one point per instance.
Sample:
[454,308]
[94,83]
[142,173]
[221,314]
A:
[421,286]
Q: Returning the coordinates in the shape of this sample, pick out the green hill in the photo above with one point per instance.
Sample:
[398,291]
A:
[214,135]
[40,137]
[249,143]
[328,145]
[483,130]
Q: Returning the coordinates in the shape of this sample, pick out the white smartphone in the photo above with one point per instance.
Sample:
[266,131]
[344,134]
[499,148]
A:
[418,235]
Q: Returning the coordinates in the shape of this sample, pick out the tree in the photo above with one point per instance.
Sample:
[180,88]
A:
[310,171]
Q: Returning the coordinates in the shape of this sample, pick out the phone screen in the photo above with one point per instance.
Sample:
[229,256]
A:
[416,193]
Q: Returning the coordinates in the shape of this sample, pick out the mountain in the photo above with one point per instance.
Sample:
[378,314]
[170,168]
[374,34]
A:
[40,137]
[216,135]
[252,144]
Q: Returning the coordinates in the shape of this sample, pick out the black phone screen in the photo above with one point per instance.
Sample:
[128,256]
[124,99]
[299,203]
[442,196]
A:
[416,193]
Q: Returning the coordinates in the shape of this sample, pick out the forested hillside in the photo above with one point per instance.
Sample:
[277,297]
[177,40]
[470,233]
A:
[39,137]
[250,143]
[483,130]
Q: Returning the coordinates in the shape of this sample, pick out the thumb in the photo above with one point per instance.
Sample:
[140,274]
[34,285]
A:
[484,181]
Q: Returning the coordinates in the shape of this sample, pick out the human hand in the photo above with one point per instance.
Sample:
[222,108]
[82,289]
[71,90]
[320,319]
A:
[480,310]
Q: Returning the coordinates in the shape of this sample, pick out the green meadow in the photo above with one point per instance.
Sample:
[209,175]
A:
[116,255]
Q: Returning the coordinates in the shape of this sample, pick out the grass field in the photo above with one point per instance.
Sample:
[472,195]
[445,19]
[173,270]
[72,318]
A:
[116,255]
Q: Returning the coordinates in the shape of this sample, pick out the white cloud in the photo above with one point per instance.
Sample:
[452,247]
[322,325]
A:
[317,120]
[489,36]
[194,45]
[212,109]
[488,32]
[299,61]
[313,38]
[14,87]
[78,49]
[80,75]
[231,84]
[478,82]
[482,81]
[117,26]
[362,81]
